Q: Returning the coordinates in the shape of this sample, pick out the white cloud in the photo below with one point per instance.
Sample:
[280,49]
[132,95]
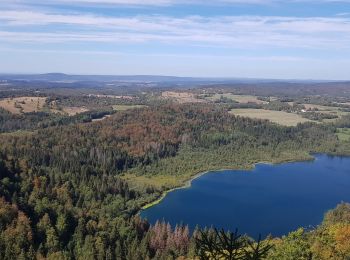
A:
[140,2]
[47,35]
[165,2]
[231,31]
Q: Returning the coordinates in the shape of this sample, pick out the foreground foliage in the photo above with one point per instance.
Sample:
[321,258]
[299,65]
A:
[331,240]
[214,244]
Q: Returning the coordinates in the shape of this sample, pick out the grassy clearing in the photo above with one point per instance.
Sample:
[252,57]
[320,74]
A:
[126,107]
[181,97]
[345,103]
[327,109]
[21,105]
[185,184]
[18,133]
[278,117]
[343,134]
[72,111]
[66,110]
[243,99]
[158,181]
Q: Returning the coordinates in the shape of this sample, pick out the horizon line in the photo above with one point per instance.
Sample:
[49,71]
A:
[170,76]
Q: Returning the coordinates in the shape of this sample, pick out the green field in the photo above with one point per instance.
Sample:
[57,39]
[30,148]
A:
[343,134]
[327,110]
[21,105]
[278,117]
[126,107]
[243,99]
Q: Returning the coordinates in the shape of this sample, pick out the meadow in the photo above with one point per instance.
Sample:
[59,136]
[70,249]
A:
[326,109]
[343,134]
[72,111]
[181,97]
[278,117]
[243,99]
[20,105]
[126,107]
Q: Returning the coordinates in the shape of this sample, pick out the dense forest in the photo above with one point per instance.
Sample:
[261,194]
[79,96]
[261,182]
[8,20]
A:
[39,120]
[72,190]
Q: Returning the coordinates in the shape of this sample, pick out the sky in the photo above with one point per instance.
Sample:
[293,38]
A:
[275,39]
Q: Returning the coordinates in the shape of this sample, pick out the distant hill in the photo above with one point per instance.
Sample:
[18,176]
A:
[61,77]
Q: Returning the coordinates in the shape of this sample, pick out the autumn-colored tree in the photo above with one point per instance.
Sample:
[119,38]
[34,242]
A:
[17,239]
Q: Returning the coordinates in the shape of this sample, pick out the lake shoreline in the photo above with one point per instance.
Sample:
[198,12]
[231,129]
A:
[188,183]
[229,201]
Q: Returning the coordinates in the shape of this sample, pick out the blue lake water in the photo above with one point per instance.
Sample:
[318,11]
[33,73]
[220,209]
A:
[271,199]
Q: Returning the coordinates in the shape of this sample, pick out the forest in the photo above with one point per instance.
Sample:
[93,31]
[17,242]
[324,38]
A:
[72,190]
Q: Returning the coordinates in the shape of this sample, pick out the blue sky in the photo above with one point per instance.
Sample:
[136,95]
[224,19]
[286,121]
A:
[291,39]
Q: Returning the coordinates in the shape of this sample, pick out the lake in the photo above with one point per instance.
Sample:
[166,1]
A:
[271,199]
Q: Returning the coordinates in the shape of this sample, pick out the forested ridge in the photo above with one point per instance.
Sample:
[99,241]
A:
[143,136]
[72,191]
[39,120]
